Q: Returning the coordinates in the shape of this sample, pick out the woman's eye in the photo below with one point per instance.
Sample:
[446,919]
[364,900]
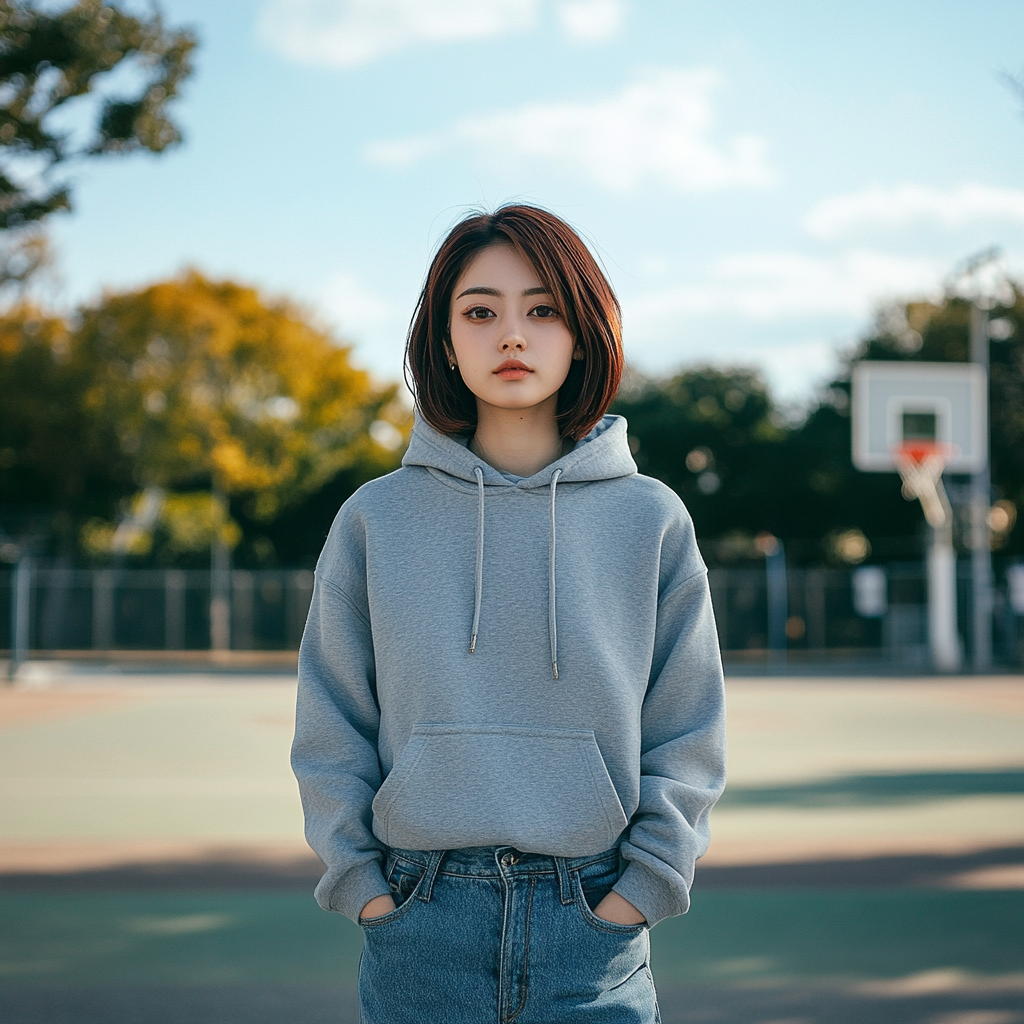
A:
[479,313]
[544,312]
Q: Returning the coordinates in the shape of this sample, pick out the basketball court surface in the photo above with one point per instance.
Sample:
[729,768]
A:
[867,861]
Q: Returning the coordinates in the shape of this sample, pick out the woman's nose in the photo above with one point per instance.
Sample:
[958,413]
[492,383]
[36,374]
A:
[513,339]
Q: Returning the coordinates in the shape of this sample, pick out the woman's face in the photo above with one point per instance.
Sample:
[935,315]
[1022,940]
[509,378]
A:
[510,344]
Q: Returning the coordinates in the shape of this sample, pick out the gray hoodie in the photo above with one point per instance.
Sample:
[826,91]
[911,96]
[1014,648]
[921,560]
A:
[495,661]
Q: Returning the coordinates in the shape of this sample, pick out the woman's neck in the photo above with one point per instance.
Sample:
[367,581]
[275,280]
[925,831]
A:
[518,441]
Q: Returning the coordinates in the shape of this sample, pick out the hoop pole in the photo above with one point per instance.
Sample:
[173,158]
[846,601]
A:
[943,640]
[923,480]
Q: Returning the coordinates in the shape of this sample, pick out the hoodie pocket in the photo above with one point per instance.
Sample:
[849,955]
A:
[539,790]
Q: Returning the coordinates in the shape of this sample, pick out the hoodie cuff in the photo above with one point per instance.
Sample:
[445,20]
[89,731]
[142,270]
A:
[650,895]
[353,890]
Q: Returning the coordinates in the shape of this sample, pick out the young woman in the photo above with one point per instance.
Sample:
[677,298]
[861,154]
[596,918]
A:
[510,713]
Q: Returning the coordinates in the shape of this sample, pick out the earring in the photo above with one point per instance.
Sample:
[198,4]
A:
[451,366]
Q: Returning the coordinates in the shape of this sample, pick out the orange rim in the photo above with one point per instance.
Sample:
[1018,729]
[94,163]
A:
[918,451]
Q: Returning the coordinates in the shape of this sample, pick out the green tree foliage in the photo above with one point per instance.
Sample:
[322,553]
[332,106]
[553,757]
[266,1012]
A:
[192,386]
[713,436]
[48,453]
[50,58]
[717,439]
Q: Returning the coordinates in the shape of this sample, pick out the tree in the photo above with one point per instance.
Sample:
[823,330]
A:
[48,460]
[195,387]
[715,437]
[51,58]
[56,61]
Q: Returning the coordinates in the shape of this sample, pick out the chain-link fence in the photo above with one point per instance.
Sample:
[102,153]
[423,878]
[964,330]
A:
[154,609]
[872,612]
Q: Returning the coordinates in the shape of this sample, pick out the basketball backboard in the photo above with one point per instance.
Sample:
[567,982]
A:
[897,403]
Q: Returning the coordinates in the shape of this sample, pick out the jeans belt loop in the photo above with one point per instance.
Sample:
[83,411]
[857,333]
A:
[564,882]
[426,889]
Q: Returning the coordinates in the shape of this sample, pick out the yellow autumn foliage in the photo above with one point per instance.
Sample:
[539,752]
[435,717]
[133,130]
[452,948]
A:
[208,385]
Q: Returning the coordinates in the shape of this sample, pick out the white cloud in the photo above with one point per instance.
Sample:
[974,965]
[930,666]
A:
[353,306]
[899,206]
[766,287]
[794,369]
[347,33]
[375,325]
[779,311]
[591,21]
[656,130]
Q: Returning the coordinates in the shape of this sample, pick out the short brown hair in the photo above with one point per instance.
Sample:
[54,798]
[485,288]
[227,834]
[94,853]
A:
[581,294]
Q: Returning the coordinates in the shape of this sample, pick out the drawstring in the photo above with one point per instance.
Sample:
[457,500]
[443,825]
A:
[552,622]
[479,473]
[478,590]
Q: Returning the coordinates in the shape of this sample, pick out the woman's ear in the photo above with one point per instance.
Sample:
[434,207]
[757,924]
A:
[577,352]
[449,352]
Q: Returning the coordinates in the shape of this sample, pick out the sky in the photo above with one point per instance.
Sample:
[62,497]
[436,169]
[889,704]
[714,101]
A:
[756,178]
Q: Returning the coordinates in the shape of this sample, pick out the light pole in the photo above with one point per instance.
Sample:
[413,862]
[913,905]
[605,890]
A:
[981,496]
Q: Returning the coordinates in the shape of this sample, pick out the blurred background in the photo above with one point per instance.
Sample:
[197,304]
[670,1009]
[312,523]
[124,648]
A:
[214,223]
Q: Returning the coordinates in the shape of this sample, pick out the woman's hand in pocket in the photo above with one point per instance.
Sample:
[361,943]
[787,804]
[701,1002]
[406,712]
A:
[378,907]
[618,910]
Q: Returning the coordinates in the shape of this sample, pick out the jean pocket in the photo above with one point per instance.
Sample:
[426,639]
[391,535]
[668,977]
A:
[597,880]
[589,888]
[404,880]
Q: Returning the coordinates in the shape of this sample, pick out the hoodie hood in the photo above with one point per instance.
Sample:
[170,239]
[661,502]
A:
[602,455]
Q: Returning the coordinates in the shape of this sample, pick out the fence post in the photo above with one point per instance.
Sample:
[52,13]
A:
[220,577]
[814,608]
[103,610]
[778,605]
[21,607]
[297,599]
[174,610]
[718,581]
[242,609]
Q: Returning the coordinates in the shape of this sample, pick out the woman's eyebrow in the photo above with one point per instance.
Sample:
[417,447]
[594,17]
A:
[484,290]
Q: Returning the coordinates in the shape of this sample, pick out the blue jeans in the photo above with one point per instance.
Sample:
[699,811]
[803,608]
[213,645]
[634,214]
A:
[489,935]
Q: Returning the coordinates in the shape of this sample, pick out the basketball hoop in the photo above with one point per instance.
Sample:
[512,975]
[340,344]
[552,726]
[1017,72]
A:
[921,464]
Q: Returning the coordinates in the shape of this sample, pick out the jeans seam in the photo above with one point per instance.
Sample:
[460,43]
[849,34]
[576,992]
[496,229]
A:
[526,957]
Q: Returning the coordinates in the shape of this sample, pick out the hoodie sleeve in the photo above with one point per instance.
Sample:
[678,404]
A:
[682,757]
[334,753]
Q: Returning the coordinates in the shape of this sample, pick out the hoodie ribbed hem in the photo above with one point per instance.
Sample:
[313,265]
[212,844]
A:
[650,895]
[353,890]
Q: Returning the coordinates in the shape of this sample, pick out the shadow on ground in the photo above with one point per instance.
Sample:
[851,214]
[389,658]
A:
[301,873]
[878,790]
[324,1004]
[230,944]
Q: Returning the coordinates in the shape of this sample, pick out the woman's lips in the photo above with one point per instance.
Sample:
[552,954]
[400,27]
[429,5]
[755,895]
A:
[512,369]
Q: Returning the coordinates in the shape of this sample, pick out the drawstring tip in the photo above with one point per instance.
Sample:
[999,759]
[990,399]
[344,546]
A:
[554,668]
[472,644]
